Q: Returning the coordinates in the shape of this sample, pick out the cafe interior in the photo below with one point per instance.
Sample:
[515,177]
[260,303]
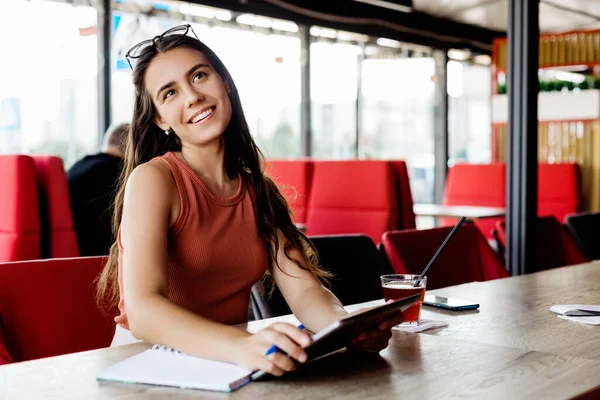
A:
[461,136]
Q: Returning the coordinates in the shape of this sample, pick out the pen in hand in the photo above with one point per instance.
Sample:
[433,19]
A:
[274,348]
[259,374]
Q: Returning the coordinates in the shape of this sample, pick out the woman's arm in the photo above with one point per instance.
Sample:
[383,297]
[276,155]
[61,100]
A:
[314,305]
[151,206]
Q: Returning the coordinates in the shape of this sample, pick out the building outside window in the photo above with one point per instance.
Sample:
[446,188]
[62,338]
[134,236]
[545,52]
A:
[333,89]
[397,117]
[469,112]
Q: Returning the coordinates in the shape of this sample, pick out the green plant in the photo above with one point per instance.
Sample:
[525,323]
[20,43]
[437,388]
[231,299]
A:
[584,85]
[569,85]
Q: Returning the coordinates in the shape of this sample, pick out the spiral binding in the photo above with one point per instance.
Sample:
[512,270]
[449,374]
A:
[166,349]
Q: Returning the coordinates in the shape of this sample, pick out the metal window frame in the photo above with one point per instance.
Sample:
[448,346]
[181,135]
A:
[440,124]
[104,67]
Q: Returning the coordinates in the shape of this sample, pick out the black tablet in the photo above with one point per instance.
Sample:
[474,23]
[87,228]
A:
[340,334]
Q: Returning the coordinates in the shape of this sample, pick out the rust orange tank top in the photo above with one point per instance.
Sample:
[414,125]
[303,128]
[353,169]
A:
[215,254]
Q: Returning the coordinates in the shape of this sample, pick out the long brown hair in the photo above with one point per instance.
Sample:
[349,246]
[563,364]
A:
[242,156]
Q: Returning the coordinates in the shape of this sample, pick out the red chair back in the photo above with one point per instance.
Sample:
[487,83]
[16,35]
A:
[5,357]
[406,214]
[58,235]
[352,197]
[47,308]
[466,258]
[476,185]
[293,178]
[559,190]
[554,245]
[19,211]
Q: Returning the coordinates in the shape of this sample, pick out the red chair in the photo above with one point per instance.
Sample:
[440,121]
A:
[5,357]
[352,197]
[554,245]
[294,179]
[406,214]
[466,258]
[47,308]
[476,185]
[58,235]
[19,211]
[559,190]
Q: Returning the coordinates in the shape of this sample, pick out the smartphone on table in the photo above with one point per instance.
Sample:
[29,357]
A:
[449,303]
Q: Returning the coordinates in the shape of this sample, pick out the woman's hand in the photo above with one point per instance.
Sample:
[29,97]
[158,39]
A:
[376,340]
[250,351]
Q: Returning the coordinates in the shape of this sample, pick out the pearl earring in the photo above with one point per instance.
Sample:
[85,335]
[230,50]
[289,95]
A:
[167,131]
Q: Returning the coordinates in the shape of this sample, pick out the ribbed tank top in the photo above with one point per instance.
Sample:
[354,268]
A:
[215,254]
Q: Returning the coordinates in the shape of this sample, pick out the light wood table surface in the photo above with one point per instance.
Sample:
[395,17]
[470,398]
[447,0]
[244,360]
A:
[512,348]
[470,212]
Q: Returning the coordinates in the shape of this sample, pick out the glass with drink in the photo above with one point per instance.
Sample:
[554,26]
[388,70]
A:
[399,286]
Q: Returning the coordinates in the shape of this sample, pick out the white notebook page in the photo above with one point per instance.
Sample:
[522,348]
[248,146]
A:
[167,367]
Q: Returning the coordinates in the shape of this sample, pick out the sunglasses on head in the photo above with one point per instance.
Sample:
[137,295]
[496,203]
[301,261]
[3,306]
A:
[139,49]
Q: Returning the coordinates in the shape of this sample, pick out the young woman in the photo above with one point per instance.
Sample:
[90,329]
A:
[198,222]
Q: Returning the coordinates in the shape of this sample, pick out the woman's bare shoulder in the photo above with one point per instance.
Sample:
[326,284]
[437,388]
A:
[154,172]
[152,178]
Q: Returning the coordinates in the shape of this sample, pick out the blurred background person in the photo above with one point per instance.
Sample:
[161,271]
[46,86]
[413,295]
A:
[93,181]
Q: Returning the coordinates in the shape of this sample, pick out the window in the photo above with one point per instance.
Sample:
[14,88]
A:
[48,80]
[333,89]
[266,69]
[397,117]
[469,112]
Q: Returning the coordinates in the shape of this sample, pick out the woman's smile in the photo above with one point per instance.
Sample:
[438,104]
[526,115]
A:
[202,115]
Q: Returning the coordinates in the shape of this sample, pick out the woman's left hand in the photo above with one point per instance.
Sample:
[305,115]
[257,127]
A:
[376,340]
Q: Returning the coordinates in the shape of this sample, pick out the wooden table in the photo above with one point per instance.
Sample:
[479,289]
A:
[470,212]
[512,347]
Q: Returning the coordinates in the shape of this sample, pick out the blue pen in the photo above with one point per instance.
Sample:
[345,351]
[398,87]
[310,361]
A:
[259,374]
[274,348]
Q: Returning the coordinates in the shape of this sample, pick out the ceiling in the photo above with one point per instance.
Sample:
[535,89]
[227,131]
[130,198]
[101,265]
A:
[555,15]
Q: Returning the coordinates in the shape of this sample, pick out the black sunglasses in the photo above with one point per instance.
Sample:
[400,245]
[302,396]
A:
[137,50]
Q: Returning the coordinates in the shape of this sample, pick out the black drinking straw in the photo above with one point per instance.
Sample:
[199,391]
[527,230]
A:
[437,253]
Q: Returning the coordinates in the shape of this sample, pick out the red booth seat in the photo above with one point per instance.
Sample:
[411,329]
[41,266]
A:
[466,258]
[58,235]
[559,190]
[406,214]
[476,185]
[47,308]
[352,197]
[19,211]
[294,179]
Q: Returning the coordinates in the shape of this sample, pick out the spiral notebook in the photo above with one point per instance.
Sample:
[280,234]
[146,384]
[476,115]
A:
[164,366]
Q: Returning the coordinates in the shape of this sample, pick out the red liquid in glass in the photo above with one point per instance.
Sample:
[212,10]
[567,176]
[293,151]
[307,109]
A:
[400,290]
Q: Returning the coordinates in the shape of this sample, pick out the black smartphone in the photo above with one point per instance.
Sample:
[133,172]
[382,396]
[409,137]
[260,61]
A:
[449,303]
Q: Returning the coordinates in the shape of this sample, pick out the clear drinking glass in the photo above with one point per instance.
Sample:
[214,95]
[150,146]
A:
[398,286]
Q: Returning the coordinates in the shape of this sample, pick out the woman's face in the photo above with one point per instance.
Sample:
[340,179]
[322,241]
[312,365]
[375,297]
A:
[190,97]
